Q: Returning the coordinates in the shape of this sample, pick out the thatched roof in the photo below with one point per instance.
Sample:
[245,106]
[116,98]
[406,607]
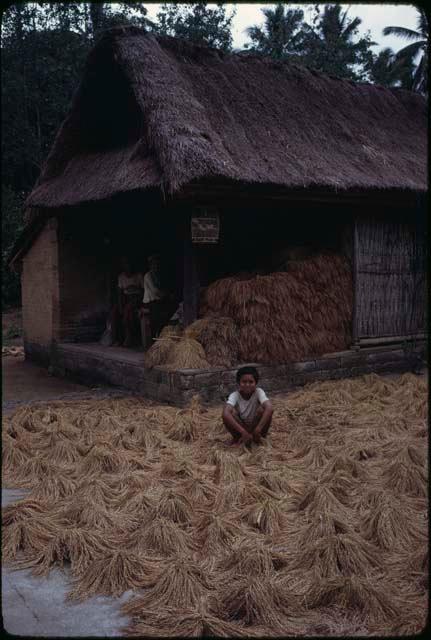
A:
[158,112]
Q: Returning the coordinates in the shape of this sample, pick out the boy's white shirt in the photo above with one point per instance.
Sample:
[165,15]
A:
[247,408]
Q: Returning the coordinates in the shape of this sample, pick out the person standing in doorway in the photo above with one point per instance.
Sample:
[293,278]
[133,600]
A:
[156,299]
[125,314]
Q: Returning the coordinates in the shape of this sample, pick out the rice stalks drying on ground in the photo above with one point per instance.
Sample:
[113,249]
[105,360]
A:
[321,530]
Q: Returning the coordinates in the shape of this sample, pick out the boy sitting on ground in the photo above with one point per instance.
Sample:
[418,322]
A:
[248,412]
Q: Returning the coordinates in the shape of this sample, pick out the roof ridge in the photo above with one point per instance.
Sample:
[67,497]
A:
[182,45]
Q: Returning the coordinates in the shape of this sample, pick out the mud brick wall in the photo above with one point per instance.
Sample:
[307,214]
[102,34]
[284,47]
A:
[40,293]
[83,284]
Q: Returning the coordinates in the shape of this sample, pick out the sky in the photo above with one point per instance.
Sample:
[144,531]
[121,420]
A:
[374,18]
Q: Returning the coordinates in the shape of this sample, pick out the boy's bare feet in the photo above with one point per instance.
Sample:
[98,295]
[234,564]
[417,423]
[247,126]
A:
[232,443]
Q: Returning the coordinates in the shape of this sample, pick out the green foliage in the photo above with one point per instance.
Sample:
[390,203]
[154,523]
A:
[332,44]
[44,46]
[415,76]
[197,23]
[12,224]
[12,332]
[281,36]
[329,44]
[387,71]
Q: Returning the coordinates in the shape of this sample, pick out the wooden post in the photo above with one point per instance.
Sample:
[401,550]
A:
[191,279]
[355,247]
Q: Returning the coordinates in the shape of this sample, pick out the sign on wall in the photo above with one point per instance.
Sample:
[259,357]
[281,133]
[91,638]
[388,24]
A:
[205,226]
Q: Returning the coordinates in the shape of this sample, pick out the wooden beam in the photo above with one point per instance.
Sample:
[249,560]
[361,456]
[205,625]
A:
[191,278]
[390,339]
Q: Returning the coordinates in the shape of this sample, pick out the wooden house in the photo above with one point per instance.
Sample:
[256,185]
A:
[161,131]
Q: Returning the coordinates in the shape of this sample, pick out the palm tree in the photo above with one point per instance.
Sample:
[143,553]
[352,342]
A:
[332,44]
[280,36]
[387,71]
[409,53]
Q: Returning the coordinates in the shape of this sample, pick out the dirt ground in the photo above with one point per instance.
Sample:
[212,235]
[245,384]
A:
[27,382]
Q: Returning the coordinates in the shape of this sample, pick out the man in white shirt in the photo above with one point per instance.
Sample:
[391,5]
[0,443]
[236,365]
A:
[158,302]
[248,412]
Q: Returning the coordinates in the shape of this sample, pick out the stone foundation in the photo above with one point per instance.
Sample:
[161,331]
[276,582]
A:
[93,363]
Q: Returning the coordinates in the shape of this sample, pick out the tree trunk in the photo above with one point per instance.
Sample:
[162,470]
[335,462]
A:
[96,15]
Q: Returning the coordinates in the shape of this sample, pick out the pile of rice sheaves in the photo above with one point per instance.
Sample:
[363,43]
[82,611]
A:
[176,352]
[321,530]
[219,338]
[288,316]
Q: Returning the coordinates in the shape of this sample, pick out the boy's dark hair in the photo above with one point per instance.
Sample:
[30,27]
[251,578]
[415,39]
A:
[252,371]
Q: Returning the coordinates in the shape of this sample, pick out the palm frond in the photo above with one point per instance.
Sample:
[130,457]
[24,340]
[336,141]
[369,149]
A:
[401,32]
[350,29]
[410,51]
[423,23]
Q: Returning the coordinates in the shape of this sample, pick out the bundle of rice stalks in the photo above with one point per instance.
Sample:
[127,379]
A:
[349,467]
[371,597]
[25,530]
[279,484]
[238,495]
[171,331]
[162,536]
[174,506]
[314,456]
[188,354]
[73,545]
[35,471]
[343,554]
[181,583]
[199,490]
[13,459]
[228,468]
[83,511]
[148,439]
[140,505]
[102,458]
[321,525]
[116,572]
[183,429]
[219,338]
[184,622]
[178,469]
[247,557]
[94,490]
[256,601]
[55,487]
[216,533]
[161,352]
[346,489]
[390,524]
[405,477]
[12,351]
[320,499]
[62,452]
[266,516]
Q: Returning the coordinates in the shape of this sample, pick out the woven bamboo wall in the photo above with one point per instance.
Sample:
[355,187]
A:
[390,278]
